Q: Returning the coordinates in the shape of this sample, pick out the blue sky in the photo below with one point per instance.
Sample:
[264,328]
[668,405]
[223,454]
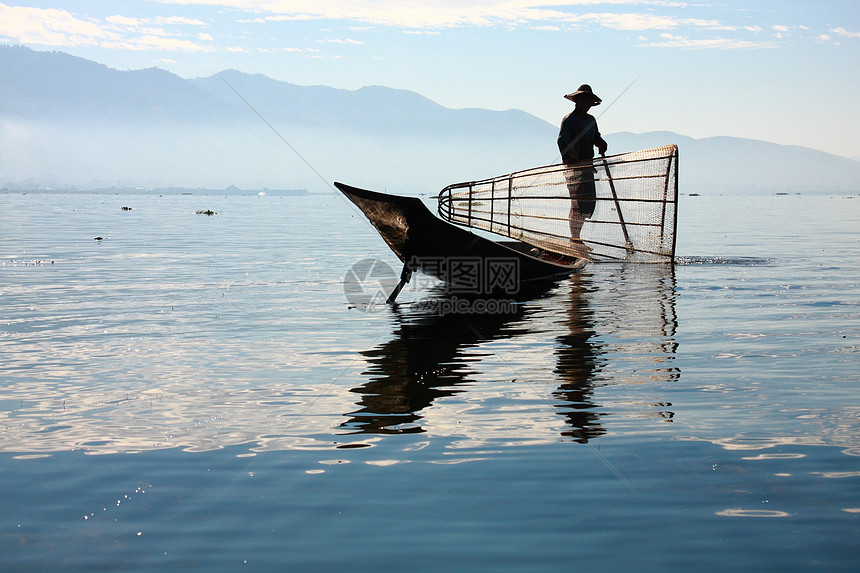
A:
[782,71]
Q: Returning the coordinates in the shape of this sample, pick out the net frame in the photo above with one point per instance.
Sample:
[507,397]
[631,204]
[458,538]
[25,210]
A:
[634,216]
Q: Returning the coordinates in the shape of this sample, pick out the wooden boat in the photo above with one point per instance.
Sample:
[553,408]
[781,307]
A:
[554,219]
[425,242]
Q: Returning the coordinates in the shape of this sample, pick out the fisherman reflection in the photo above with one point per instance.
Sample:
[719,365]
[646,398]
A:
[576,362]
[623,335]
[425,360]
[577,139]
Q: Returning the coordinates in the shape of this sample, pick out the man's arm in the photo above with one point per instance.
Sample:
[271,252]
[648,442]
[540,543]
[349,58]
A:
[601,144]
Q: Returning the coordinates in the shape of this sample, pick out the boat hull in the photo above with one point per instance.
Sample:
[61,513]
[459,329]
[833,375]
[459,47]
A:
[425,242]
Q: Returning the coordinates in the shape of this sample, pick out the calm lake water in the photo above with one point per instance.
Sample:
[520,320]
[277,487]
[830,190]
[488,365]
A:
[196,393]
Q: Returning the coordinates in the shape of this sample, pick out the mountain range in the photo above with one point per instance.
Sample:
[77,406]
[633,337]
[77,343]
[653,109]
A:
[67,121]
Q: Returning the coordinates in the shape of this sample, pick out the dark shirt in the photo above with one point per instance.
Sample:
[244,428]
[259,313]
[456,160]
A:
[577,137]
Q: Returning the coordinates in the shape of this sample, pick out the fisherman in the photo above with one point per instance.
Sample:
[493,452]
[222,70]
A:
[577,138]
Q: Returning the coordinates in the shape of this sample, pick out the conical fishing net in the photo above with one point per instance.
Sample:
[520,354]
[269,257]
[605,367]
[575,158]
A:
[621,207]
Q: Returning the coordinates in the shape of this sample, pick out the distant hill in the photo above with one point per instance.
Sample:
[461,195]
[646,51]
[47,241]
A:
[54,86]
[737,165]
[374,109]
[66,121]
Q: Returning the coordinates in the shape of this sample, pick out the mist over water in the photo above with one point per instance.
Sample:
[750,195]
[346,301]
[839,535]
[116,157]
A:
[70,155]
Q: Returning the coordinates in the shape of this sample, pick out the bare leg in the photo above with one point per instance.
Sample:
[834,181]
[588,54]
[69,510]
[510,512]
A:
[576,217]
[577,220]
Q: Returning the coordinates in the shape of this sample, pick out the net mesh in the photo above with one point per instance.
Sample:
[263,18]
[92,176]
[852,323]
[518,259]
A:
[621,207]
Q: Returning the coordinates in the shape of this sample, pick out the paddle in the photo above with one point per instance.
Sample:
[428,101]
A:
[405,275]
[627,244]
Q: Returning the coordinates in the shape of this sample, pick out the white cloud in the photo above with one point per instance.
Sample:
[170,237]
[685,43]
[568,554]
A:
[672,41]
[62,28]
[844,33]
[341,41]
[52,27]
[418,14]
[282,18]
[158,43]
[123,21]
[177,21]
[644,21]
[431,16]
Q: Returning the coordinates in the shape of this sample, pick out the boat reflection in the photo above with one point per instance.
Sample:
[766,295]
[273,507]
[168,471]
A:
[427,359]
[612,325]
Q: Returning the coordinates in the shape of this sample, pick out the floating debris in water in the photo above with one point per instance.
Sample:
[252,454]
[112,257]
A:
[738,261]
[207,212]
[36,263]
